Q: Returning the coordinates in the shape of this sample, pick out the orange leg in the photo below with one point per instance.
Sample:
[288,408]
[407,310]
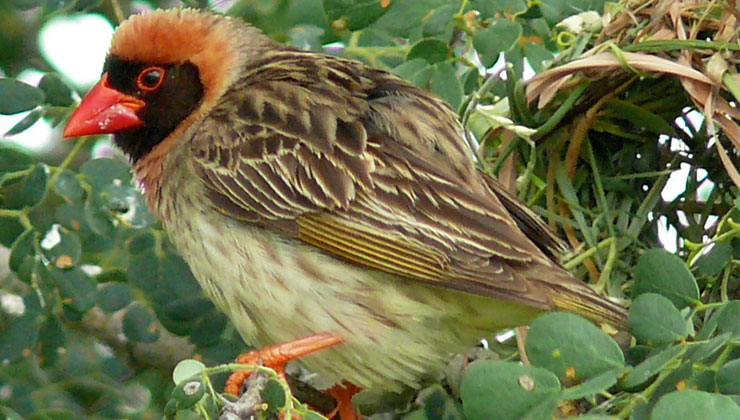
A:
[275,357]
[343,393]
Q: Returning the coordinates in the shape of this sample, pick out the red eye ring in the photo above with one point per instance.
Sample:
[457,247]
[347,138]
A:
[150,79]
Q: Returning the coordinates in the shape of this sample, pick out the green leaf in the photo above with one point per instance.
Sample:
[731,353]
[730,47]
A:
[555,11]
[68,186]
[114,297]
[56,91]
[104,171]
[538,56]
[728,319]
[728,378]
[187,394]
[29,191]
[139,324]
[655,321]
[18,335]
[13,160]
[355,14]
[208,329]
[501,390]
[22,250]
[650,367]
[52,339]
[26,122]
[76,288]
[141,243]
[186,369]
[594,385]
[661,272]
[440,22]
[417,71]
[404,16]
[639,117]
[693,405]
[571,347]
[489,8]
[18,96]
[706,350]
[446,84]
[501,36]
[187,309]
[431,49]
[273,394]
[61,247]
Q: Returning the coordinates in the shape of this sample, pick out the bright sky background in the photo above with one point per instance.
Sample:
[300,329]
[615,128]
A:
[76,47]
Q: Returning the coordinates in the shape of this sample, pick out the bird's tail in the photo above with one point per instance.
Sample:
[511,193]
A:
[572,295]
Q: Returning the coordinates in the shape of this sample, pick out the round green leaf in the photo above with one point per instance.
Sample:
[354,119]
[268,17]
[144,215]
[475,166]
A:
[114,296]
[18,96]
[728,378]
[29,191]
[728,320]
[18,335]
[139,324]
[714,261]
[170,409]
[501,36]
[405,17]
[56,91]
[104,171]
[143,271]
[440,22]
[431,49]
[186,369]
[76,288]
[538,56]
[273,394]
[52,339]
[68,186]
[187,309]
[655,321]
[693,405]
[208,329]
[12,160]
[22,250]
[141,243]
[187,394]
[659,271]
[417,71]
[571,347]
[61,247]
[446,84]
[556,10]
[354,14]
[494,389]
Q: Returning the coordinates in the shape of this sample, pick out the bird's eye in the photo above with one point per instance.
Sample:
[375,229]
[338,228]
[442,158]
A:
[150,79]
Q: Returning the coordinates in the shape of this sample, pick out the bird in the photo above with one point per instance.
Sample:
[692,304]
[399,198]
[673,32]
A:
[324,203]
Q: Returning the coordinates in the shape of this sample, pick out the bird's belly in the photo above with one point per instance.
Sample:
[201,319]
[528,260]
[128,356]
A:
[397,332]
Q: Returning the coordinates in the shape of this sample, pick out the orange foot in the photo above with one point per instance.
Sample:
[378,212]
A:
[343,393]
[275,357]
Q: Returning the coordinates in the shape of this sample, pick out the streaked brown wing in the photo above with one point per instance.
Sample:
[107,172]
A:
[365,167]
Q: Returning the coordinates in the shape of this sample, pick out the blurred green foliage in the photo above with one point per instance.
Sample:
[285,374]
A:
[98,308]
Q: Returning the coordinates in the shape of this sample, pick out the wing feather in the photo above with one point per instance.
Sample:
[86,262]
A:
[310,149]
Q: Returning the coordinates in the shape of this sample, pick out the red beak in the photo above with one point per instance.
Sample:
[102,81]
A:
[104,110]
